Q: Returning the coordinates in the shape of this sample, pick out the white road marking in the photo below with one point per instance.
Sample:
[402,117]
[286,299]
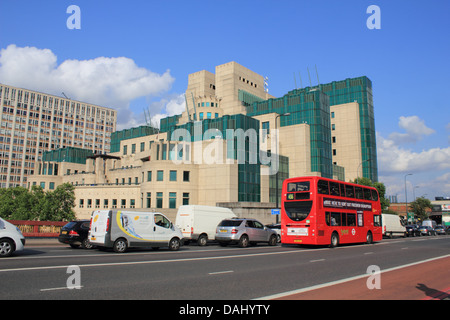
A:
[62,288]
[221,272]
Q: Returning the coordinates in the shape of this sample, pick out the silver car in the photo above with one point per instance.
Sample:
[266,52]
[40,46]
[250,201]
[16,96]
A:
[244,232]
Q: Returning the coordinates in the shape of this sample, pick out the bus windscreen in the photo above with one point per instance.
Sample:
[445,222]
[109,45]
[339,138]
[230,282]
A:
[298,210]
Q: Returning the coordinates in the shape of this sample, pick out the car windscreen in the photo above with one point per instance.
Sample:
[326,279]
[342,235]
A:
[230,223]
[70,225]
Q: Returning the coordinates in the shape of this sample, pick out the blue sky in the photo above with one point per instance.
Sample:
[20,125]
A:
[138,54]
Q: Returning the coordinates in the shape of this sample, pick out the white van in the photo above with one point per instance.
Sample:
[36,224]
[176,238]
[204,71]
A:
[11,239]
[199,223]
[429,223]
[392,225]
[120,230]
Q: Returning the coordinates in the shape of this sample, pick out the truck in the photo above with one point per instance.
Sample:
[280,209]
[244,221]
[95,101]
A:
[392,225]
[198,223]
[121,230]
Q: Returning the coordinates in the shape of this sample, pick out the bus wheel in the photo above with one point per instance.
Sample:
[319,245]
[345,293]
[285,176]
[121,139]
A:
[334,240]
[369,238]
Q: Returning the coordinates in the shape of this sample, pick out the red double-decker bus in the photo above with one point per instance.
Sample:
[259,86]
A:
[320,211]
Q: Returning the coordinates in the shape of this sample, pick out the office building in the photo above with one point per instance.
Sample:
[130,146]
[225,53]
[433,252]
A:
[34,122]
[222,149]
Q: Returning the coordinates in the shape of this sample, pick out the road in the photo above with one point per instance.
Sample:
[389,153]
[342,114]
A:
[213,272]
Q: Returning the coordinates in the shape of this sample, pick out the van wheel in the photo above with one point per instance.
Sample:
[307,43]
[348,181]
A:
[6,247]
[243,241]
[334,240]
[174,244]
[202,240]
[120,245]
[369,238]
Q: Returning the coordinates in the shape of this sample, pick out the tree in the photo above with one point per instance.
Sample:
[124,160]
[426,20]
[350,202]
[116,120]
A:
[19,203]
[58,204]
[419,207]
[381,190]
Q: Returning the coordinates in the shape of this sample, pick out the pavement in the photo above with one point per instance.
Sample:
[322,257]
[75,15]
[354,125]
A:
[424,281]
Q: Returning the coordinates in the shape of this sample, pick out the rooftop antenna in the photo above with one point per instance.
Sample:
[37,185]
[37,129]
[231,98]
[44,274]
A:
[309,75]
[187,108]
[266,84]
[65,96]
[317,76]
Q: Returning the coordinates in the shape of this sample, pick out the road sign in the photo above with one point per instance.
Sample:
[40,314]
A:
[275,211]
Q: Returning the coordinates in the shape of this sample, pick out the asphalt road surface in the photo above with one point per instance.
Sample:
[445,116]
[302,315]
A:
[232,273]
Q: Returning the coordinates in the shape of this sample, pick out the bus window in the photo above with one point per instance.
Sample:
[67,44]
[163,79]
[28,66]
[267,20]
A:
[377,220]
[322,187]
[333,219]
[342,189]
[374,195]
[367,194]
[351,219]
[359,193]
[349,191]
[298,186]
[334,189]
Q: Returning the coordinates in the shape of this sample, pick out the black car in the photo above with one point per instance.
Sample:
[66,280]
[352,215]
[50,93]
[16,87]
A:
[75,233]
[412,230]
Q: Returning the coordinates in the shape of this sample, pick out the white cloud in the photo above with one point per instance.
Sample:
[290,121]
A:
[109,82]
[415,130]
[393,158]
[172,107]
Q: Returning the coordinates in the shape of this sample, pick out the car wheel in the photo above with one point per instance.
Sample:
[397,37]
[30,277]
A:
[86,244]
[120,245]
[273,240]
[174,244]
[6,247]
[243,241]
[202,240]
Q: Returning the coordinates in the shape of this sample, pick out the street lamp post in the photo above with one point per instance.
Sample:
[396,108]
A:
[406,195]
[357,170]
[278,160]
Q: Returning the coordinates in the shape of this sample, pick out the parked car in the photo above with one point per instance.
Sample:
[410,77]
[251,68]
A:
[441,230]
[244,232]
[277,228]
[11,239]
[427,230]
[75,234]
[412,230]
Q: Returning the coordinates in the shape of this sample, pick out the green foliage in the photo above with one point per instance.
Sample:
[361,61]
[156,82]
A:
[381,191]
[419,207]
[21,204]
